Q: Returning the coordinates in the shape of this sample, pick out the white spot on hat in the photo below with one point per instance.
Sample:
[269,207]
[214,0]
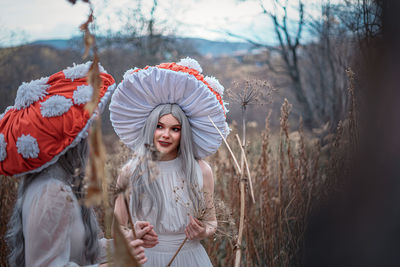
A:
[80,71]
[3,146]
[27,146]
[83,94]
[31,92]
[55,106]
[215,85]
[190,63]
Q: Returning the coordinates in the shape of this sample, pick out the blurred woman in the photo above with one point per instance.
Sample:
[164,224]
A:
[43,138]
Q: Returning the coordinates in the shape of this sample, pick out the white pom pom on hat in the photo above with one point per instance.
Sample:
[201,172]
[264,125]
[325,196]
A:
[79,71]
[55,106]
[27,146]
[215,85]
[82,94]
[190,63]
[31,92]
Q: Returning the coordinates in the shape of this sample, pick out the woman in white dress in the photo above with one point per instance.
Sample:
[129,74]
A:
[43,138]
[163,113]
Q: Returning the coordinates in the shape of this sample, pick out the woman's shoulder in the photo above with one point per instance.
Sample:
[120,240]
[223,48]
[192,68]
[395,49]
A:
[126,172]
[204,166]
[207,173]
[47,182]
[50,196]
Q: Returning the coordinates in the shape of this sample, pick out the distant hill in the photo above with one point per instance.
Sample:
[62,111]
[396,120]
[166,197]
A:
[60,44]
[203,46]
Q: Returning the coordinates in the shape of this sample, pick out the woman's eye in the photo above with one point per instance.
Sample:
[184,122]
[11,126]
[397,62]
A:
[159,126]
[176,129]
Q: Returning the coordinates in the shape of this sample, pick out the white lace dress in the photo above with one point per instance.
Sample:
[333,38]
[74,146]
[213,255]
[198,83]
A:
[170,229]
[52,223]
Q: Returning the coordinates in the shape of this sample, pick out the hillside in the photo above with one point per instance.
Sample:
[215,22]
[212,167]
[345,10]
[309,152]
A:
[202,46]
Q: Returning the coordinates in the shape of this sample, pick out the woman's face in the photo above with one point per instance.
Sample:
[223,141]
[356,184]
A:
[167,137]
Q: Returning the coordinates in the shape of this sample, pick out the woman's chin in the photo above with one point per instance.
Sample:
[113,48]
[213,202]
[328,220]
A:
[167,155]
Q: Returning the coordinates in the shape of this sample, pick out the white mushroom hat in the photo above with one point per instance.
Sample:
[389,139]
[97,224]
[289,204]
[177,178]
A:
[48,118]
[182,83]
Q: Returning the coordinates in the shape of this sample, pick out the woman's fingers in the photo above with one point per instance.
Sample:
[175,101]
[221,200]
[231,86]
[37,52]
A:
[150,237]
[195,229]
[149,244]
[142,232]
[198,222]
[138,250]
[142,228]
[128,234]
[139,255]
[136,243]
[187,233]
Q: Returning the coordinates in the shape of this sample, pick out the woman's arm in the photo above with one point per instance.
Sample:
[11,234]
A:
[144,230]
[197,229]
[120,209]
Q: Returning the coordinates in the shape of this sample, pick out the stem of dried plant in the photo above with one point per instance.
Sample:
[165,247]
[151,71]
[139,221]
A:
[129,216]
[238,169]
[122,256]
[247,168]
[176,253]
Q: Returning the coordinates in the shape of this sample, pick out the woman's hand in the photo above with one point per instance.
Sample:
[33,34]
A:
[137,250]
[144,231]
[195,229]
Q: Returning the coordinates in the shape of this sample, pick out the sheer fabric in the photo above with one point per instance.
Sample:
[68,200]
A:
[52,223]
[170,227]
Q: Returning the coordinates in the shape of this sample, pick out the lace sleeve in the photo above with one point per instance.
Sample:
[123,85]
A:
[47,224]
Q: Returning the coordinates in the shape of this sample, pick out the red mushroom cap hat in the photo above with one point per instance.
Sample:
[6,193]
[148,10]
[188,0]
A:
[48,118]
[181,83]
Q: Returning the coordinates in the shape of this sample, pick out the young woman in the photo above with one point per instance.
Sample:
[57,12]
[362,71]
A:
[43,139]
[164,114]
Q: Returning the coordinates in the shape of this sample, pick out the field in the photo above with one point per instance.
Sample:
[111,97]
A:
[292,171]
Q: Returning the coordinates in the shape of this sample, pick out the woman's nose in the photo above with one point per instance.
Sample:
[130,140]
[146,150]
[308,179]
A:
[165,134]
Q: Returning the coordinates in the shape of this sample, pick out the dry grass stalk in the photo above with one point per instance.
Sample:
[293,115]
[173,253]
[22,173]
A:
[96,174]
[238,168]
[247,168]
[177,251]
[131,224]
[8,190]
[122,256]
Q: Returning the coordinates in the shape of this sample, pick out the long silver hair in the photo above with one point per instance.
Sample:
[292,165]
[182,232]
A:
[142,182]
[73,162]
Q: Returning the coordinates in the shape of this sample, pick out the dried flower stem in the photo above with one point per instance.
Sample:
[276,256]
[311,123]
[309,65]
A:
[176,253]
[247,168]
[239,170]
[129,216]
[238,253]
[241,222]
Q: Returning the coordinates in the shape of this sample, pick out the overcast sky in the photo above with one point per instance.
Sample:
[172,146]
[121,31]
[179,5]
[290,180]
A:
[31,20]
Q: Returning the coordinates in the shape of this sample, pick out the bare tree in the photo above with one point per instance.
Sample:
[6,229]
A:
[313,52]
[143,39]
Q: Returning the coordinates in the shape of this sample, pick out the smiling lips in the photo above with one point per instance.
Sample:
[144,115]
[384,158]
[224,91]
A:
[164,144]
